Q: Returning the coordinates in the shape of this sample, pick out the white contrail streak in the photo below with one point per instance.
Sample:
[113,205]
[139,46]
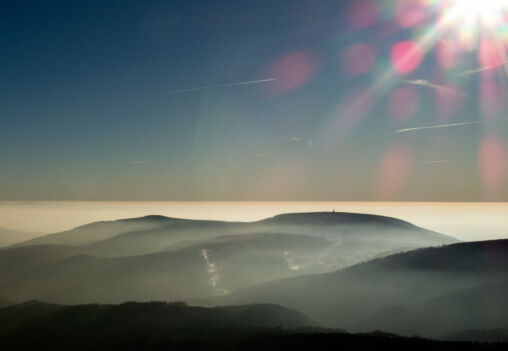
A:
[426,83]
[406,130]
[216,86]
[479,70]
[435,162]
[140,162]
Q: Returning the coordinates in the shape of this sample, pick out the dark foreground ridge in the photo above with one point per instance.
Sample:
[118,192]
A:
[159,326]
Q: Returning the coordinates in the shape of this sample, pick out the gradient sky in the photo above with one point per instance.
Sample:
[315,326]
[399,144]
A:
[92,107]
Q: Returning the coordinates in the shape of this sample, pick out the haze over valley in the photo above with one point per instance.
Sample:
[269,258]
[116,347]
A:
[341,270]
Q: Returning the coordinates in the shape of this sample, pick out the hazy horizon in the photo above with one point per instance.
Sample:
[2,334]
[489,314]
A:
[465,221]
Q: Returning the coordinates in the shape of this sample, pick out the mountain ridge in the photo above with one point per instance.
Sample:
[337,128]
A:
[166,254]
[345,297]
[158,221]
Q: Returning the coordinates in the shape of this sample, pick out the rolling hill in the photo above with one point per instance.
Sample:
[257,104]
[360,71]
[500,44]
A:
[98,231]
[14,260]
[357,237]
[202,269]
[159,258]
[430,292]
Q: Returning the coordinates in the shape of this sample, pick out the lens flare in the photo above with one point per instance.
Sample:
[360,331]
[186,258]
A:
[488,13]
[457,50]
[471,20]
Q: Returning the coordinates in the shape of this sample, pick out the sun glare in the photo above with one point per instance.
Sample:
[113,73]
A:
[486,13]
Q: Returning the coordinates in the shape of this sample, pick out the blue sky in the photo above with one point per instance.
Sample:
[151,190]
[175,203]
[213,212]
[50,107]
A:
[86,113]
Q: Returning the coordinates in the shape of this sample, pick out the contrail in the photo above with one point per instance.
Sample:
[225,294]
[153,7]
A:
[474,71]
[216,86]
[406,130]
[260,155]
[435,162]
[426,83]
[139,162]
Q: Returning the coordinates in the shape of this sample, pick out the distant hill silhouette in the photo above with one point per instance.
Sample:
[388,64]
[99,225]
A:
[334,218]
[98,231]
[133,236]
[144,235]
[160,258]
[146,241]
[429,292]
[10,237]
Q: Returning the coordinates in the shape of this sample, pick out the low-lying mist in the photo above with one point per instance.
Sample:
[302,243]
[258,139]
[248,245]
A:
[350,271]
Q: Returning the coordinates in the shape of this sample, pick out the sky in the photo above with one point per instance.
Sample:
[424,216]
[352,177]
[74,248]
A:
[253,100]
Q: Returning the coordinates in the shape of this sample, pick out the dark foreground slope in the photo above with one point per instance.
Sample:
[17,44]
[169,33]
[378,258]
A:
[342,341]
[4,302]
[489,335]
[429,292]
[163,326]
[45,318]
